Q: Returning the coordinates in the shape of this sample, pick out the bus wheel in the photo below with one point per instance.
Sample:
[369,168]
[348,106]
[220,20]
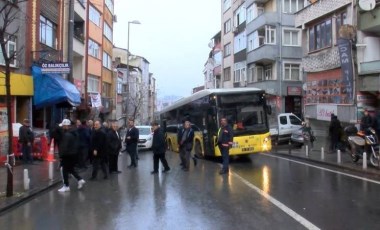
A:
[198,150]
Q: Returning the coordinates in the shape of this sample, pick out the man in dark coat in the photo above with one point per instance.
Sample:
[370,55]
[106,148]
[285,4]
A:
[131,139]
[99,151]
[158,148]
[366,121]
[185,140]
[114,147]
[225,137]
[334,132]
[26,138]
[84,144]
[68,150]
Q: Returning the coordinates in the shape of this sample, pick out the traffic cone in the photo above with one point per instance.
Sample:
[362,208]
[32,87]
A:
[50,156]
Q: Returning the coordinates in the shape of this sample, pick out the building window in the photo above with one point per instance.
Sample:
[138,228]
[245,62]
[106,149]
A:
[48,32]
[227,26]
[249,14]
[268,72]
[107,61]
[93,48]
[227,74]
[109,4]
[292,37]
[93,84]
[227,50]
[106,91]
[292,6]
[239,72]
[250,72]
[292,71]
[240,42]
[94,16]
[250,44]
[226,5]
[107,31]
[119,86]
[320,35]
[270,35]
[10,48]
[253,11]
[239,16]
[341,19]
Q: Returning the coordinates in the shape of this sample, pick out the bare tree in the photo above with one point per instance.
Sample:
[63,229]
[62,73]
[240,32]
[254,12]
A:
[9,14]
[136,99]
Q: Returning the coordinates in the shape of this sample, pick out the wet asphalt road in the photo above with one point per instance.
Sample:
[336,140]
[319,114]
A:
[261,192]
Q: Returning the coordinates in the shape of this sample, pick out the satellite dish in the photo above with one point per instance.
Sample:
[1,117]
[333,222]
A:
[367,5]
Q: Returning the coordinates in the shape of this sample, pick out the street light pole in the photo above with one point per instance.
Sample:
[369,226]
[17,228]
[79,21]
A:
[126,103]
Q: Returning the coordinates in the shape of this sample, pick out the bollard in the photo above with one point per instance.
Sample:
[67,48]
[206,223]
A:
[339,157]
[51,173]
[307,150]
[322,153]
[364,160]
[26,179]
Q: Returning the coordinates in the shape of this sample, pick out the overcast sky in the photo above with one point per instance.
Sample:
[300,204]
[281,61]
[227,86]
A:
[173,37]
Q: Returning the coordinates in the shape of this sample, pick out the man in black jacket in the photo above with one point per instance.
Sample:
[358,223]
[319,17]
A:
[99,151]
[225,137]
[114,146]
[185,140]
[26,138]
[131,139]
[68,150]
[158,148]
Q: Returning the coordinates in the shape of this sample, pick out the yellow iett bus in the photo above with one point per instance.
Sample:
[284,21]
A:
[245,109]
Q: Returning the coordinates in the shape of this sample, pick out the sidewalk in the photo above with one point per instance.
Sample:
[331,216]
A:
[330,159]
[39,181]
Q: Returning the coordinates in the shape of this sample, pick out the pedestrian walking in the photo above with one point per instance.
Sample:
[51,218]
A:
[114,146]
[90,125]
[131,139]
[185,140]
[26,138]
[335,130]
[366,121]
[225,138]
[158,148]
[68,150]
[84,144]
[99,151]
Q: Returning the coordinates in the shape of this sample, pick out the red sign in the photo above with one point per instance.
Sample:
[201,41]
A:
[294,91]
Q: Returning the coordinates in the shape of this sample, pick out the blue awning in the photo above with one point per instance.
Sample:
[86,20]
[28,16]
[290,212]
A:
[52,89]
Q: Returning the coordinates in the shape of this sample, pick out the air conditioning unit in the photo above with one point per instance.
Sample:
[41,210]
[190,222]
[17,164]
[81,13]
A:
[235,30]
[114,18]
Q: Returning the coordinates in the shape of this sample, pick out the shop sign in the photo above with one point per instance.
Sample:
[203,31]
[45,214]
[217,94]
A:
[324,111]
[61,67]
[294,91]
[344,46]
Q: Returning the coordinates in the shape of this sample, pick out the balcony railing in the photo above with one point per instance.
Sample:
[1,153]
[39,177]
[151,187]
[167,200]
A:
[370,67]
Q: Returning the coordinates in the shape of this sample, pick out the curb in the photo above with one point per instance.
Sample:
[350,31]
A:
[330,164]
[27,196]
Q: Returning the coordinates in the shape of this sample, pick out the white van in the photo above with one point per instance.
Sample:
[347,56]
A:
[145,137]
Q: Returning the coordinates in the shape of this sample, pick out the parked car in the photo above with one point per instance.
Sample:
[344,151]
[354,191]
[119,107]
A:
[145,137]
[297,137]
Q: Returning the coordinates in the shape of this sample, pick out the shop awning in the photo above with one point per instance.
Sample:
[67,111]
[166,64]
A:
[52,89]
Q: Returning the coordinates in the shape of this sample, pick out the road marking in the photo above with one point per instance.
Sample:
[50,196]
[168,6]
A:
[325,169]
[277,203]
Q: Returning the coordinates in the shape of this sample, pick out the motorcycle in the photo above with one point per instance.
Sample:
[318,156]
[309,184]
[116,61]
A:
[363,141]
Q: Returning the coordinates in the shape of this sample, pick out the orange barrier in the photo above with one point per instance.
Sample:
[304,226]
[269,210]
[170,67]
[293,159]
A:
[40,148]
[50,156]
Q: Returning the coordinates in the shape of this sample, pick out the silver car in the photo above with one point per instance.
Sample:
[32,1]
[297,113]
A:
[297,137]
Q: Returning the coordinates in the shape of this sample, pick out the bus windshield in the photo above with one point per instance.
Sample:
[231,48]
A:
[245,113]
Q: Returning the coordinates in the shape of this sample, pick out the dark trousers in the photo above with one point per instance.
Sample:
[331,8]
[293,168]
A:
[82,157]
[156,158]
[225,151]
[67,164]
[27,153]
[96,162]
[132,150]
[185,157]
[113,158]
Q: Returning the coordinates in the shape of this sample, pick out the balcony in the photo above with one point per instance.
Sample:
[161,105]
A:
[268,18]
[369,67]
[370,21]
[317,10]
[264,54]
[323,60]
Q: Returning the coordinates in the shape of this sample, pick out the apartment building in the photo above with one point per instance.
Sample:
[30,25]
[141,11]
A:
[328,33]
[213,66]
[99,82]
[227,38]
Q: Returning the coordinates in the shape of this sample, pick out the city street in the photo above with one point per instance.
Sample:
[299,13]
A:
[263,191]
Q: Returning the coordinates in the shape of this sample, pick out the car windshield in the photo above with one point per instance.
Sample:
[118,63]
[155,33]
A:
[144,131]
